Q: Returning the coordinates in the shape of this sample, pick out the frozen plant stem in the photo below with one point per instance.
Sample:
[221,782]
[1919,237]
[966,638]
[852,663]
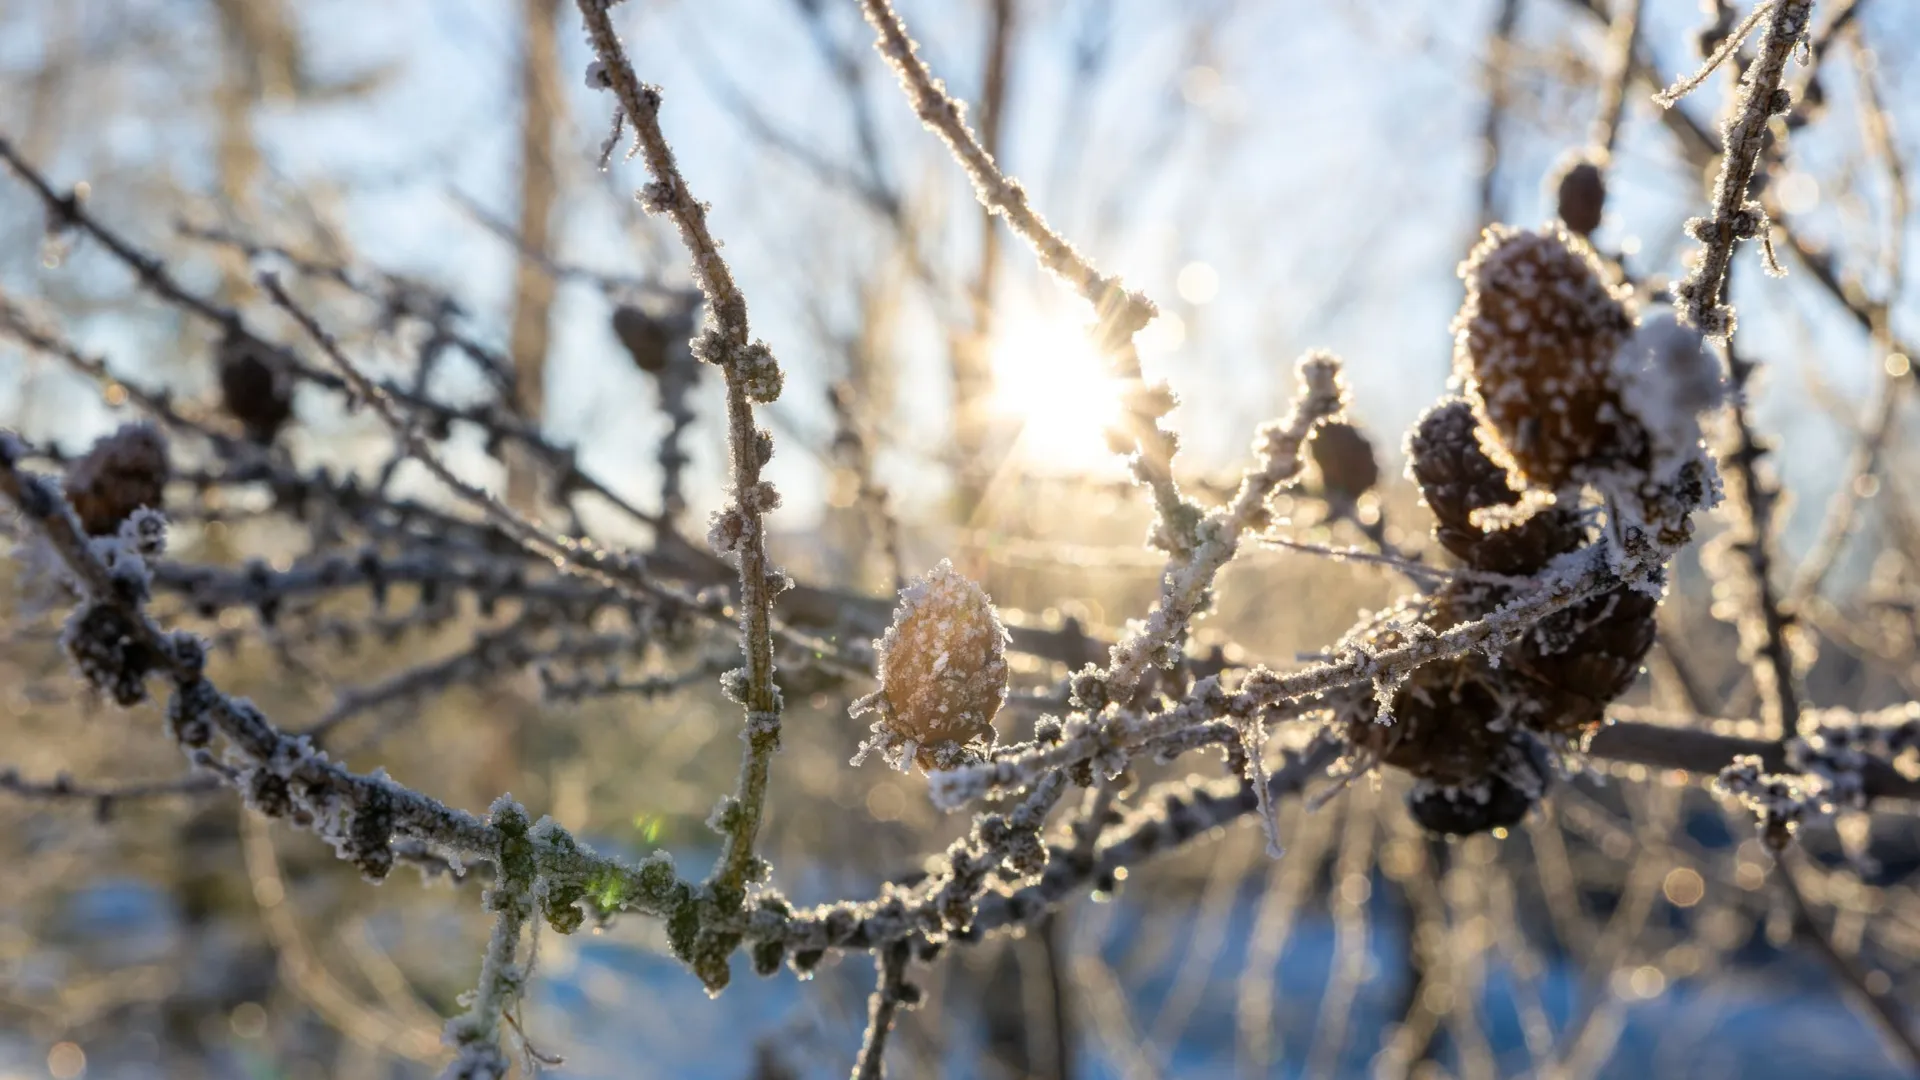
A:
[750,375]
[1581,576]
[475,1034]
[1729,45]
[1702,299]
[610,569]
[890,992]
[369,819]
[1623,31]
[1187,587]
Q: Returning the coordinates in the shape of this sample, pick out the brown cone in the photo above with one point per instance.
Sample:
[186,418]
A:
[1580,195]
[1344,456]
[252,389]
[1534,344]
[647,339]
[123,472]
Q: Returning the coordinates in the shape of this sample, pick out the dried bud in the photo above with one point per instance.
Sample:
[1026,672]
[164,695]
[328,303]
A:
[1534,344]
[145,531]
[187,713]
[1345,459]
[658,197]
[123,472]
[109,653]
[759,372]
[267,792]
[369,844]
[648,340]
[253,388]
[726,531]
[1580,193]
[561,907]
[943,672]
[768,956]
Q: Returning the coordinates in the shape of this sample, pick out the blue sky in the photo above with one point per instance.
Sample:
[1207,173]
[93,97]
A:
[1321,160]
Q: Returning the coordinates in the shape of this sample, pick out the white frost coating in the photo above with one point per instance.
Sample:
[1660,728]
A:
[1826,767]
[1187,587]
[1667,378]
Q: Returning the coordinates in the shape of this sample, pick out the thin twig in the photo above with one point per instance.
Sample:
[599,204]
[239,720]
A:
[1685,85]
[1702,301]
[889,994]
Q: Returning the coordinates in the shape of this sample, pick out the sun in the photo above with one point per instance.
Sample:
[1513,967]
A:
[1051,381]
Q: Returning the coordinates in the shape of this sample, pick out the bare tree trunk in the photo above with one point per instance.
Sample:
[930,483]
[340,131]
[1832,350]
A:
[541,101]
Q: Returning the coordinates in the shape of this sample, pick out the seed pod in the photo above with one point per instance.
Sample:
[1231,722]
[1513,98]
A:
[1344,456]
[1441,728]
[1465,728]
[943,672]
[123,472]
[1580,194]
[648,340]
[1534,345]
[253,388]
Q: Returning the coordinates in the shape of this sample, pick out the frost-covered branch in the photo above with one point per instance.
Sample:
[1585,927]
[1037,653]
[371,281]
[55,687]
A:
[475,1034]
[1733,217]
[1163,819]
[1741,562]
[1186,589]
[104,797]
[1826,768]
[118,648]
[752,375]
[257,374]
